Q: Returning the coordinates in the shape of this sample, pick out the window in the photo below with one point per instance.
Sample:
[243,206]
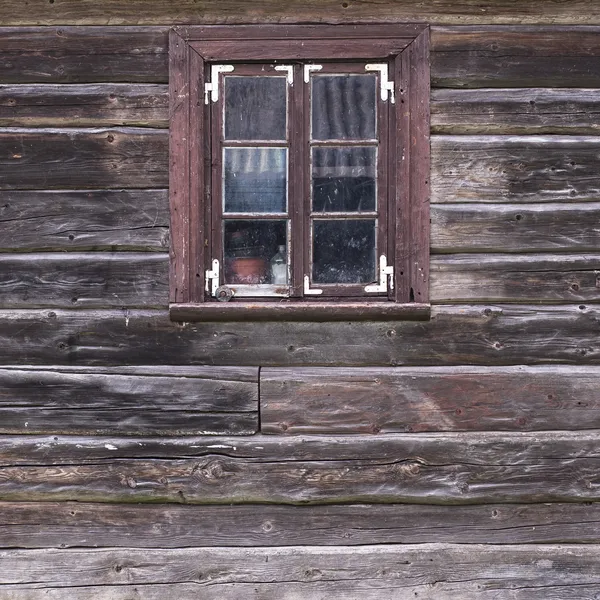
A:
[299,172]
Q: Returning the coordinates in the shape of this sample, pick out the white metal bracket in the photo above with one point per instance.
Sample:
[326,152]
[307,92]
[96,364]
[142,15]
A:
[308,291]
[387,86]
[211,282]
[384,273]
[289,69]
[308,69]
[212,86]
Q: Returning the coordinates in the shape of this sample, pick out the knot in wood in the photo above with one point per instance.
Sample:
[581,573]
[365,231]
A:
[211,470]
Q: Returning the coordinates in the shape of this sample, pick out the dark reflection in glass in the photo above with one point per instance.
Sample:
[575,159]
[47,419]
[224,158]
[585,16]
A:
[343,107]
[343,179]
[250,248]
[255,180]
[255,108]
[344,251]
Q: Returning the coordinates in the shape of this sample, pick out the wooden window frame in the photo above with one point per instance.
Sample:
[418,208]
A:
[406,48]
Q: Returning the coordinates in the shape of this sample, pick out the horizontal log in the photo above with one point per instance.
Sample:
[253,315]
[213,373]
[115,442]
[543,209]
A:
[455,335]
[543,278]
[84,280]
[515,111]
[109,280]
[518,228]
[84,220]
[382,400]
[83,158]
[514,168]
[168,401]
[77,105]
[431,571]
[422,469]
[85,12]
[515,57]
[67,524]
[82,54]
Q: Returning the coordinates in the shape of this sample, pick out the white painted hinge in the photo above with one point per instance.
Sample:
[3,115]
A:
[308,69]
[212,86]
[386,275]
[289,69]
[386,86]
[307,289]
[211,282]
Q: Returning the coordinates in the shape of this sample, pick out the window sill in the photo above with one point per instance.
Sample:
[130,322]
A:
[299,311]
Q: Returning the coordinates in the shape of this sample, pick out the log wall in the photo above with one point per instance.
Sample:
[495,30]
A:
[452,458]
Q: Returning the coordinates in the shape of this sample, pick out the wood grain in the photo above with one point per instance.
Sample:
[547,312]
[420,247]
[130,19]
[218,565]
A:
[69,524]
[542,278]
[423,469]
[430,571]
[455,335]
[540,168]
[382,400]
[515,111]
[515,57]
[115,12]
[105,279]
[516,228]
[83,158]
[81,54]
[84,220]
[168,401]
[84,105]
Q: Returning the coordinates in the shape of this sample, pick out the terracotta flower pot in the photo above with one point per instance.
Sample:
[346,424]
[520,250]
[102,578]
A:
[249,270]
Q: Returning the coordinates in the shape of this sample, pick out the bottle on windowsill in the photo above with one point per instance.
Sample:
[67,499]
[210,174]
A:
[279,267]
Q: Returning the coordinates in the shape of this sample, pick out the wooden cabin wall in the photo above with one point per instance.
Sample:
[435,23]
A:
[454,458]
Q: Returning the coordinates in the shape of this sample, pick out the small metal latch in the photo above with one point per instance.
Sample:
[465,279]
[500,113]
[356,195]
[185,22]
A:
[212,86]
[211,283]
[384,272]
[289,69]
[308,69]
[308,291]
[386,85]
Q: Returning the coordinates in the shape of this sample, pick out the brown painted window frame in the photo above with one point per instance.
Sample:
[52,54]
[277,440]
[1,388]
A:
[406,48]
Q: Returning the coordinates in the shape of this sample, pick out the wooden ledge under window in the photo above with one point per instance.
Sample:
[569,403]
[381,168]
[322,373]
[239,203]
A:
[299,311]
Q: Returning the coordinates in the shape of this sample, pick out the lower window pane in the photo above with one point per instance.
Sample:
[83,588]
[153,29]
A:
[255,252]
[344,251]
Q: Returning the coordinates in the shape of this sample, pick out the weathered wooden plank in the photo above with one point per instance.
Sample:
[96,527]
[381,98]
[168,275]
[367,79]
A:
[109,280]
[397,468]
[84,105]
[544,227]
[455,335]
[539,168]
[82,54]
[383,400]
[114,12]
[515,57]
[84,220]
[170,401]
[515,111]
[67,524]
[83,158]
[542,278]
[84,280]
[430,571]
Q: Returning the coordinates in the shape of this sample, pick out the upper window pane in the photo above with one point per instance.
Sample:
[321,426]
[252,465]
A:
[255,108]
[344,107]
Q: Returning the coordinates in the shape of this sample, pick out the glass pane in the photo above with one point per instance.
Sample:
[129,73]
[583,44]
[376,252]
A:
[255,108]
[344,251]
[255,180]
[343,107]
[343,178]
[255,251]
